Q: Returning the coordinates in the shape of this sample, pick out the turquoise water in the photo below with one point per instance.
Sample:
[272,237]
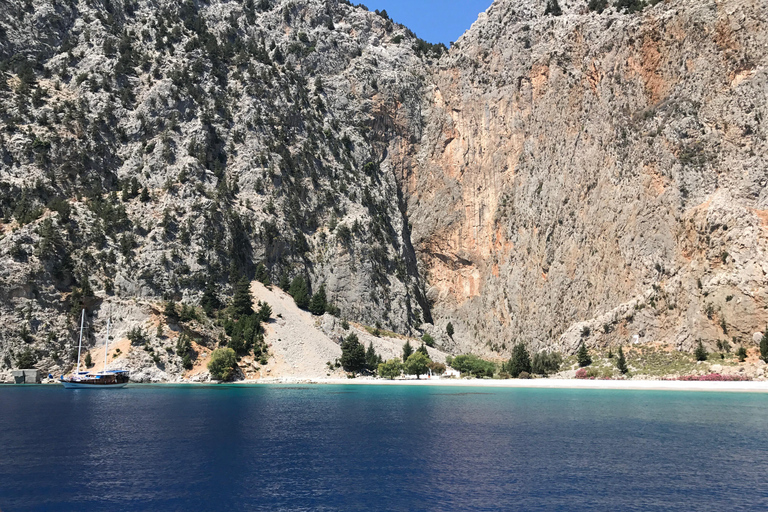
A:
[380,448]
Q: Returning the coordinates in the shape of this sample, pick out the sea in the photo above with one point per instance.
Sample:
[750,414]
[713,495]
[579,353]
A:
[380,448]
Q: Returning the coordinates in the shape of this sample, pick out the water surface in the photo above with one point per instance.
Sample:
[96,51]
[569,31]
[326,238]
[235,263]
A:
[380,448]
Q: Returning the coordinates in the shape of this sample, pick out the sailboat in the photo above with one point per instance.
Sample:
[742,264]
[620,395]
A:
[111,379]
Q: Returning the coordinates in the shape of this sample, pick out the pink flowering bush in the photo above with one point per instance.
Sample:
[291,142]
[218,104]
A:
[714,377]
[581,373]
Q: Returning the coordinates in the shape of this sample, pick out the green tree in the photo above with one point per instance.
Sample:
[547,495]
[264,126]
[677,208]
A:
[553,8]
[545,363]
[372,359]
[621,363]
[428,340]
[25,360]
[210,301]
[764,346]
[318,303]
[741,353]
[582,356]
[519,362]
[285,282]
[265,312]
[144,195]
[417,364]
[391,369]
[299,292]
[407,350]
[223,364]
[170,311]
[242,304]
[88,360]
[423,350]
[700,352]
[472,365]
[352,354]
[449,329]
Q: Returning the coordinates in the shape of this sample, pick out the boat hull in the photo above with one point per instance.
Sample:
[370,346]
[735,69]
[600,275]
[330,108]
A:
[82,385]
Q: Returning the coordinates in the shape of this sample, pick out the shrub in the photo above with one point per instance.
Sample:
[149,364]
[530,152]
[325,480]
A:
[223,364]
[436,368]
[25,359]
[581,373]
[428,340]
[741,354]
[764,346]
[449,329]
[524,375]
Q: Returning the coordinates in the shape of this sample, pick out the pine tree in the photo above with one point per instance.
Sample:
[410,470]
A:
[299,292]
[407,350]
[318,304]
[582,356]
[144,195]
[700,352]
[423,350]
[170,311]
[210,301]
[352,355]
[764,346]
[449,329]
[372,359]
[519,362]
[242,304]
[621,363]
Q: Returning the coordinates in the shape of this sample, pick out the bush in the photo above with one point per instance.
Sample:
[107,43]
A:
[449,330]
[223,364]
[524,375]
[741,354]
[436,368]
[25,360]
[764,346]
[428,340]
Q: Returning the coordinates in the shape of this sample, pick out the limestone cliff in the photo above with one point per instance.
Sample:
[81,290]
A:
[597,176]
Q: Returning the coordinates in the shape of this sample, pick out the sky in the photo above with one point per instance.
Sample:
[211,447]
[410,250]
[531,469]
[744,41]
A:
[436,21]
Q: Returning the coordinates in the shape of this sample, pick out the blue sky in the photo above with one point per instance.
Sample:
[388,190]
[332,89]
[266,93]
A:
[437,21]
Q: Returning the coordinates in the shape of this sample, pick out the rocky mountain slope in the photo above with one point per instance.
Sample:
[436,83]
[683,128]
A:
[561,174]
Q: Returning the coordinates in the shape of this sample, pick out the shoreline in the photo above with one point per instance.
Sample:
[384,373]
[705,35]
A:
[627,385]
[633,385]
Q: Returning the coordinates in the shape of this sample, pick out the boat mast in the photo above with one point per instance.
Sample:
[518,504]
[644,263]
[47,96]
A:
[106,346]
[80,345]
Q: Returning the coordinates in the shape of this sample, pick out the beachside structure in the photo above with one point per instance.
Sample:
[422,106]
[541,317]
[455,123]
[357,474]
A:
[26,376]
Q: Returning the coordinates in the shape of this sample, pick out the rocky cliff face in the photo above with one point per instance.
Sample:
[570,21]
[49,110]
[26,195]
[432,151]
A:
[597,176]
[551,179]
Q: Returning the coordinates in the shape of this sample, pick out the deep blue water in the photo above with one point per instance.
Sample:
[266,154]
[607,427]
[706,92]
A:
[380,448]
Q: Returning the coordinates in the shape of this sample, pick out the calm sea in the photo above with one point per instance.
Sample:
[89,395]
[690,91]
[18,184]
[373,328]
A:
[366,448]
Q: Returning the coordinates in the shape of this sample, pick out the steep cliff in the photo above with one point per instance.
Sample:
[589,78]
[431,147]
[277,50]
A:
[561,174]
[597,176]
